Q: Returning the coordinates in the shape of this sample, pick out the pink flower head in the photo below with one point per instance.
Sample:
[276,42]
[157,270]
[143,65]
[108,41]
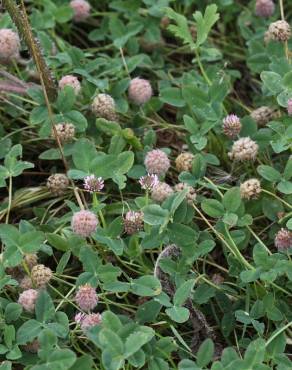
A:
[9,44]
[93,184]
[79,317]
[289,107]
[90,320]
[81,9]
[72,81]
[264,8]
[140,91]
[27,299]
[133,222]
[157,162]
[86,297]
[84,223]
[283,239]
[149,181]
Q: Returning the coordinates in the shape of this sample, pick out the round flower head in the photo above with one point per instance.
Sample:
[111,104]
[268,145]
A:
[148,182]
[250,189]
[264,8]
[104,106]
[191,193]
[72,81]
[86,297]
[156,161]
[9,45]
[160,192]
[283,239]
[84,223]
[30,259]
[27,299]
[244,149]
[65,132]
[140,91]
[184,162]
[280,31]
[90,320]
[26,283]
[231,126]
[93,184]
[289,107]
[133,222]
[262,115]
[58,183]
[81,9]
[41,275]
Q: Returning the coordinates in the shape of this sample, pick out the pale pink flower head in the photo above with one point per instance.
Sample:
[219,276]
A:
[283,239]
[244,149]
[27,299]
[93,184]
[72,81]
[140,91]
[231,126]
[90,320]
[148,182]
[289,107]
[264,8]
[79,317]
[161,192]
[81,9]
[157,162]
[9,45]
[86,297]
[84,223]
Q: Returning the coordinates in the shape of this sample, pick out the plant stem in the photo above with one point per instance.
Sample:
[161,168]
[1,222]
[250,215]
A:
[9,199]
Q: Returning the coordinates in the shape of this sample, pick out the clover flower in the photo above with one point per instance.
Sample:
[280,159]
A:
[244,149]
[161,191]
[93,184]
[133,222]
[84,223]
[148,182]
[250,189]
[231,126]
[86,297]
[184,162]
[104,106]
[58,183]
[27,299]
[140,91]
[72,81]
[157,162]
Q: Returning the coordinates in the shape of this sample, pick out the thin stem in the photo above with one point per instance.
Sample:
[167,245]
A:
[9,199]
[274,336]
[275,196]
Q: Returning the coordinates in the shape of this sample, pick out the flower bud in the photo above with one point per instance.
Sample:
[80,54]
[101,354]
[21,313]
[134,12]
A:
[231,126]
[27,299]
[133,222]
[65,132]
[262,115]
[264,8]
[72,81]
[41,275]
[184,162]
[81,9]
[140,91]
[160,192]
[280,31]
[244,149]
[250,189]
[9,45]
[283,239]
[103,106]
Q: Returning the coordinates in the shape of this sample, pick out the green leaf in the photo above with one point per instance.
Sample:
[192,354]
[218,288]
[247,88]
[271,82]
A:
[182,29]
[199,166]
[155,215]
[183,292]
[205,353]
[205,23]
[255,353]
[269,173]
[109,338]
[287,80]
[83,154]
[182,235]
[231,200]
[273,81]
[172,96]
[285,187]
[178,314]
[59,359]
[44,307]
[111,321]
[146,286]
[28,331]
[212,208]
[137,339]
[12,312]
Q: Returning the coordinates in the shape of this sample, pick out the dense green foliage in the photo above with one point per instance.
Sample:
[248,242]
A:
[204,281]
